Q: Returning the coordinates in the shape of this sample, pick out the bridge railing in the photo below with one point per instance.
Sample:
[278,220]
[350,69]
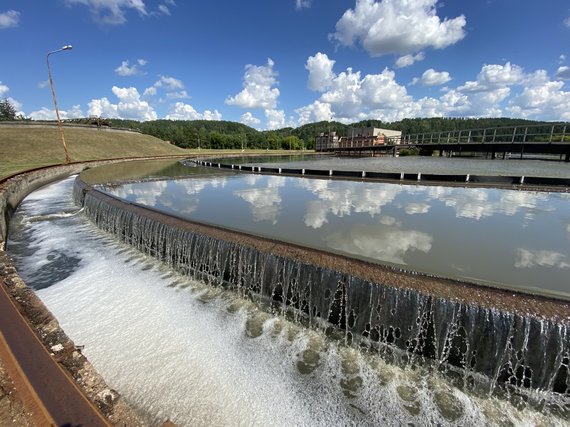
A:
[559,132]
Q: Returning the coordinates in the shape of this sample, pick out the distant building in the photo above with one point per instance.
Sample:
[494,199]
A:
[362,137]
[326,140]
[357,137]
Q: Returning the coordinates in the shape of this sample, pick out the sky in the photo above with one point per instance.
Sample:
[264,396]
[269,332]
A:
[277,63]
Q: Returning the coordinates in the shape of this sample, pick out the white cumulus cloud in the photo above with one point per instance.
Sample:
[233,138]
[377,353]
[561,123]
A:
[409,59]
[320,71]
[275,119]
[483,97]
[348,97]
[494,76]
[9,19]
[498,90]
[563,72]
[382,90]
[150,91]
[174,88]
[17,106]
[47,114]
[164,9]
[169,83]
[126,70]
[182,111]
[316,112]
[345,94]
[110,12]
[303,4]
[258,90]
[249,119]
[542,101]
[3,89]
[130,106]
[431,77]
[399,27]
[212,115]
[182,94]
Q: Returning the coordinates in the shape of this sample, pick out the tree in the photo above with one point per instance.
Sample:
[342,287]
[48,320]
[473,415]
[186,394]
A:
[7,110]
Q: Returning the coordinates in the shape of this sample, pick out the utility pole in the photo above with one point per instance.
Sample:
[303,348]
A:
[66,47]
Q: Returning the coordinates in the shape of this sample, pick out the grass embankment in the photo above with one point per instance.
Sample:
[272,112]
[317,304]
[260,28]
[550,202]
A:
[23,148]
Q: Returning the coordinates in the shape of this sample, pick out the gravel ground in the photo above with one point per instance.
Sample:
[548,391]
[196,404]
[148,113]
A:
[12,412]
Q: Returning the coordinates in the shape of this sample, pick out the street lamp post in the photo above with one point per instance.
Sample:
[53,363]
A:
[66,47]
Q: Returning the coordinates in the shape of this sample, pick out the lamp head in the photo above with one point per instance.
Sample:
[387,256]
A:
[67,47]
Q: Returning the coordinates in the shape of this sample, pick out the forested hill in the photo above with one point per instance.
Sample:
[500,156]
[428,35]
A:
[224,134]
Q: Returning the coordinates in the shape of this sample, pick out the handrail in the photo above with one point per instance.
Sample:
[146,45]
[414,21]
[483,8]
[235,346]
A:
[558,132]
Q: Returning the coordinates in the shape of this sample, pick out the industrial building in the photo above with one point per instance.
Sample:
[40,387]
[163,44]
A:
[357,137]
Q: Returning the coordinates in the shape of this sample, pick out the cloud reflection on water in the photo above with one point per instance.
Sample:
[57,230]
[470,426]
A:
[145,195]
[443,229]
[384,243]
[417,208]
[265,203]
[171,194]
[528,259]
[479,203]
[389,220]
[343,199]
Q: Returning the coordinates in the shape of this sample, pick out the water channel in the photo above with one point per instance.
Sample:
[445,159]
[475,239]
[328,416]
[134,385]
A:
[178,348]
[519,239]
[418,164]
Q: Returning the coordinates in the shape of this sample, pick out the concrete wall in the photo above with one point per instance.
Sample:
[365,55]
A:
[15,189]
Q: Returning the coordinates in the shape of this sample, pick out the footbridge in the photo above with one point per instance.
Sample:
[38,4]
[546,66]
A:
[511,141]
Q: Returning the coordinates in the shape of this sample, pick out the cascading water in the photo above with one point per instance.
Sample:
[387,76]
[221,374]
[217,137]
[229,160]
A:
[203,355]
[487,345]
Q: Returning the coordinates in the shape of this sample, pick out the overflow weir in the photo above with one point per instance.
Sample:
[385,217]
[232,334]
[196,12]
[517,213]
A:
[483,335]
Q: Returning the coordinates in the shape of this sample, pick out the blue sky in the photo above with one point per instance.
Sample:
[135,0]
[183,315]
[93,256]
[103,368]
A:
[277,63]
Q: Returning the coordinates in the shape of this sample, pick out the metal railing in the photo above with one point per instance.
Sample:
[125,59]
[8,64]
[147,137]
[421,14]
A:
[506,134]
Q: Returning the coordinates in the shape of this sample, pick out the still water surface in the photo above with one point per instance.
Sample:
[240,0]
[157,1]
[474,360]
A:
[418,164]
[518,239]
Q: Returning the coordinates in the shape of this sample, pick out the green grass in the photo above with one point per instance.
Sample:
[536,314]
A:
[23,148]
